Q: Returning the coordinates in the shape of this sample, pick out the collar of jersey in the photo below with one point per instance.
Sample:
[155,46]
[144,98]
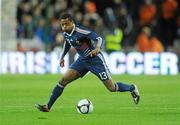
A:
[71,31]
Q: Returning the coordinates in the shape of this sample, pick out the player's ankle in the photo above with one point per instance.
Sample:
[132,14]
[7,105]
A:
[132,88]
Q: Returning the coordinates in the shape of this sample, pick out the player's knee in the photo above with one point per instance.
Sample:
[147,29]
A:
[63,81]
[111,89]
[109,85]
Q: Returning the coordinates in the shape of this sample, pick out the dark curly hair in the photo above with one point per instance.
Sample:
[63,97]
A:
[66,16]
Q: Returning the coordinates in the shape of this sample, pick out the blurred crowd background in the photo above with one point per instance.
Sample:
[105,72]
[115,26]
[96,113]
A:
[126,25]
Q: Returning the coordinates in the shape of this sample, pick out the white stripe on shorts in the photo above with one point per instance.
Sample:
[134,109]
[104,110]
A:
[104,63]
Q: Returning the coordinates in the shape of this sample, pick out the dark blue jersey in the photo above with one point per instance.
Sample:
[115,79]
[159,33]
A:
[83,40]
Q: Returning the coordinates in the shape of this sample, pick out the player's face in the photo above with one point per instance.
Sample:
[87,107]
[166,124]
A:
[66,25]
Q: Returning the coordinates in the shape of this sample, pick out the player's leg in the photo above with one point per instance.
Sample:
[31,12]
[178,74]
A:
[105,77]
[122,87]
[100,69]
[77,69]
[68,77]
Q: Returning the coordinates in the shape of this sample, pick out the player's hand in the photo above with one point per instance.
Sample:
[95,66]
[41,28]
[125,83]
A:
[95,51]
[62,62]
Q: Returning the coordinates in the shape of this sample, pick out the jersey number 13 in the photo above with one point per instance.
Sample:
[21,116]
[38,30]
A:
[103,75]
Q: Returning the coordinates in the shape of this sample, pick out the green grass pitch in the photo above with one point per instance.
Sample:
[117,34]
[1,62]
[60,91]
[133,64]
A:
[159,105]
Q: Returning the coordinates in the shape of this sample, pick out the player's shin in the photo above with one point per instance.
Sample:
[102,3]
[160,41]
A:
[57,91]
[122,87]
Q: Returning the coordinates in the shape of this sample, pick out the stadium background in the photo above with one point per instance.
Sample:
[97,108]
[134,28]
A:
[127,26]
[132,28]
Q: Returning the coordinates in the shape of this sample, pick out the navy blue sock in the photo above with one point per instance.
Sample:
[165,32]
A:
[121,87]
[57,91]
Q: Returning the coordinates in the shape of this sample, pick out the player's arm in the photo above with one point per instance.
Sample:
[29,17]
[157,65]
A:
[98,43]
[66,48]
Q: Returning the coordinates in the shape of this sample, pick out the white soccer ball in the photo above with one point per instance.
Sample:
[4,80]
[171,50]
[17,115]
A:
[84,106]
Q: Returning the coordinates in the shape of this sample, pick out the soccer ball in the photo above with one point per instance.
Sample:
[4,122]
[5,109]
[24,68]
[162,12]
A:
[84,106]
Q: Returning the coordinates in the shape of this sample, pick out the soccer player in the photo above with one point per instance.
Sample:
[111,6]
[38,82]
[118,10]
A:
[88,45]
